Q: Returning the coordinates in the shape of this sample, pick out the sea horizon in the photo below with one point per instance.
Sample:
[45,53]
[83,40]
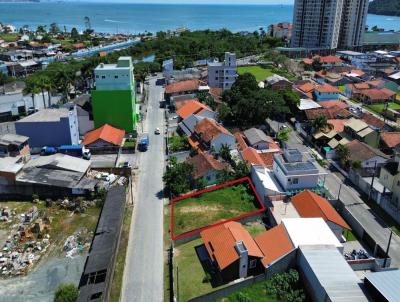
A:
[134,18]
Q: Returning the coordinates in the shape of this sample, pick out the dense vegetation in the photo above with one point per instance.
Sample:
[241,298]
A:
[246,104]
[385,7]
[66,293]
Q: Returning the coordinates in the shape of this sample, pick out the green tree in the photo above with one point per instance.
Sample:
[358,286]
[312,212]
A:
[224,176]
[206,98]
[283,135]
[88,25]
[292,100]
[241,170]
[343,154]
[225,153]
[319,123]
[31,88]
[177,177]
[316,64]
[74,34]
[41,29]
[54,29]
[66,293]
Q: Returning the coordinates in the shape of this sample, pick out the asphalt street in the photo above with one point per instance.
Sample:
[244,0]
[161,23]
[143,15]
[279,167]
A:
[143,274]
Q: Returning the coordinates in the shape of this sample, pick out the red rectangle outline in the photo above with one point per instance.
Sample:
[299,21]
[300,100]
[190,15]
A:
[214,188]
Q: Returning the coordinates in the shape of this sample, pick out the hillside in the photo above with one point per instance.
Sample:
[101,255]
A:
[385,7]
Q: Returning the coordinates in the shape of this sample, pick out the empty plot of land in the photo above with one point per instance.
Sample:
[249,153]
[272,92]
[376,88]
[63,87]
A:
[212,207]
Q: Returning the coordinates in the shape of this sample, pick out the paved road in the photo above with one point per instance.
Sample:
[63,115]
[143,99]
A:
[374,226]
[143,275]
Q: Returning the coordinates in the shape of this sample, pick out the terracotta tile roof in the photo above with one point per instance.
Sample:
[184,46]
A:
[330,113]
[311,205]
[209,129]
[376,83]
[377,94]
[268,158]
[308,87]
[274,244]
[307,61]
[191,107]
[203,163]
[194,143]
[330,59]
[327,89]
[180,103]
[360,151]
[330,104]
[359,72]
[391,139]
[372,120]
[220,243]
[240,141]
[338,124]
[106,133]
[251,156]
[360,85]
[182,86]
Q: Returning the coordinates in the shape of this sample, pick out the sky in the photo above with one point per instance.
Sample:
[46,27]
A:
[208,1]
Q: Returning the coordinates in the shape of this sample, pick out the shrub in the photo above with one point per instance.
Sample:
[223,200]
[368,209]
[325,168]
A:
[66,293]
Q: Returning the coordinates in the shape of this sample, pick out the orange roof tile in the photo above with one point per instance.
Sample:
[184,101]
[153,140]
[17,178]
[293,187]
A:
[106,133]
[338,124]
[308,87]
[330,59]
[274,244]
[377,94]
[327,89]
[391,139]
[251,156]
[182,86]
[311,205]
[203,163]
[268,158]
[180,103]
[209,129]
[191,107]
[241,143]
[361,85]
[220,243]
[330,104]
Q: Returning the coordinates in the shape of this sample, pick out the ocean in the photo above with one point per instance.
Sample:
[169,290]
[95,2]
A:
[138,18]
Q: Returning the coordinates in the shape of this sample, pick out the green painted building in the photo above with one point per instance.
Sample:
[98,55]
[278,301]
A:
[114,99]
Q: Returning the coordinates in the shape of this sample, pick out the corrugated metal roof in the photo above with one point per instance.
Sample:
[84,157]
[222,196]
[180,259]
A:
[333,273]
[387,283]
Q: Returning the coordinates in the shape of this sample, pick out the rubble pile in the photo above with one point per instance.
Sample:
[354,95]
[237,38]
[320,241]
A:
[108,178]
[77,243]
[25,246]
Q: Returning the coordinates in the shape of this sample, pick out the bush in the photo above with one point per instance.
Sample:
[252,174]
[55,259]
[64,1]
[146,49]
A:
[207,278]
[66,293]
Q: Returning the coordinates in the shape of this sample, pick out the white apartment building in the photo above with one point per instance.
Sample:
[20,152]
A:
[354,18]
[223,74]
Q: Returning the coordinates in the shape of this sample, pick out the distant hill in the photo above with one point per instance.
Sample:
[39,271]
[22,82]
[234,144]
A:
[385,7]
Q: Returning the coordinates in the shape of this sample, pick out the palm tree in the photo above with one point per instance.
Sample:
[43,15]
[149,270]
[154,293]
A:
[319,123]
[32,89]
[343,153]
[44,83]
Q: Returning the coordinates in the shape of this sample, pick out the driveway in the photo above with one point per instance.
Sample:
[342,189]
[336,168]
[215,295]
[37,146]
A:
[143,274]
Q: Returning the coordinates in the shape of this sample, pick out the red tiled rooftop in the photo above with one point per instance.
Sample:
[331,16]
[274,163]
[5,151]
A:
[391,139]
[106,133]
[338,124]
[252,157]
[182,86]
[220,242]
[274,244]
[240,141]
[308,87]
[203,163]
[209,129]
[330,104]
[191,107]
[327,89]
[311,205]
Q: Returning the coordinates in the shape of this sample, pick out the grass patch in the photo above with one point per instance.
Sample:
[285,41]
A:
[178,143]
[256,292]
[212,207]
[342,88]
[378,108]
[116,284]
[191,273]
[9,37]
[260,73]
[130,143]
[349,235]
[255,228]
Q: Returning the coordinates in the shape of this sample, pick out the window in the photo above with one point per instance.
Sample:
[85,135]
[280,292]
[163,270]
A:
[216,78]
[295,181]
[103,77]
[116,77]
[253,263]
[97,76]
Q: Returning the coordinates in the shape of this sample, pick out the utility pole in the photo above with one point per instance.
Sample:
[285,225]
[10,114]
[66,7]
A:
[387,250]
[372,182]
[177,283]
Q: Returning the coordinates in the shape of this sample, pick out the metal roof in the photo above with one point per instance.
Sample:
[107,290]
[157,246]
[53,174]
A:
[46,115]
[333,273]
[255,136]
[16,139]
[60,162]
[387,283]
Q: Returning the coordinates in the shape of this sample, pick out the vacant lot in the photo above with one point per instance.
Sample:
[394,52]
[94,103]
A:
[260,73]
[212,207]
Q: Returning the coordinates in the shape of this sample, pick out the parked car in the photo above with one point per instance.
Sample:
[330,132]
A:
[157,131]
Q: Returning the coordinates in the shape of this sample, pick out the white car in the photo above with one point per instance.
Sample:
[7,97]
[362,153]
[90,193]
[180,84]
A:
[157,131]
